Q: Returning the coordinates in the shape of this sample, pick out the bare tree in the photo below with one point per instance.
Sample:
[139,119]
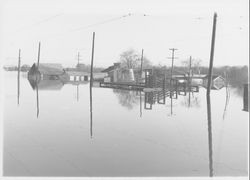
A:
[196,63]
[131,59]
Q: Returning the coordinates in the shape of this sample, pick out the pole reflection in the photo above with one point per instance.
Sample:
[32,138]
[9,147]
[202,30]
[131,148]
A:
[37,102]
[77,92]
[140,105]
[91,113]
[210,144]
[226,102]
[18,87]
[171,105]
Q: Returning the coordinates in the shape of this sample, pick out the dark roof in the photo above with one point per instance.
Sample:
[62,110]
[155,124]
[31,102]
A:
[50,68]
[110,68]
[214,87]
[213,77]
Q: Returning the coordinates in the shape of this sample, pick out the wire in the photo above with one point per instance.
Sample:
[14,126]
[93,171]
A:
[102,22]
[39,22]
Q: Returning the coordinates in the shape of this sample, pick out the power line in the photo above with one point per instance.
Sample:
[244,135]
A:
[40,22]
[102,22]
[89,26]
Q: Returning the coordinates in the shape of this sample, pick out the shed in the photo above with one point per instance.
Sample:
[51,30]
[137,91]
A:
[116,73]
[50,71]
[218,82]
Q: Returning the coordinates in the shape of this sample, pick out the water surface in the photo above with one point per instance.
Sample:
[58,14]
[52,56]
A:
[59,131]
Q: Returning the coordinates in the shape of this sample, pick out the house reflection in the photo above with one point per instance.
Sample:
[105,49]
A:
[46,84]
[54,84]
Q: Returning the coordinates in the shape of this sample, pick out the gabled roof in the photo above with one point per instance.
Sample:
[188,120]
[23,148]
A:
[213,77]
[214,87]
[110,68]
[49,68]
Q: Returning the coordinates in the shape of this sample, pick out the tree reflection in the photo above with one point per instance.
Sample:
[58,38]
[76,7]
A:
[191,101]
[127,98]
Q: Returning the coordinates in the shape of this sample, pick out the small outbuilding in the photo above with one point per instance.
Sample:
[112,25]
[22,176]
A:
[217,83]
[116,73]
[47,71]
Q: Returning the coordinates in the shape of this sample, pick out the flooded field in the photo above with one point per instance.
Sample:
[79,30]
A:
[72,130]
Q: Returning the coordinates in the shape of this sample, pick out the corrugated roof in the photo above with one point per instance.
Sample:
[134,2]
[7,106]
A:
[213,77]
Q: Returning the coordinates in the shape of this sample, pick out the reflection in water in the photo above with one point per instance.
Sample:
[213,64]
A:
[192,101]
[37,102]
[210,145]
[127,98]
[171,105]
[186,151]
[50,85]
[140,105]
[148,100]
[77,92]
[46,84]
[18,87]
[91,113]
[227,101]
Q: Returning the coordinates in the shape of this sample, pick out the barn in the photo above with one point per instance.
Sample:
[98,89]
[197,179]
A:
[47,71]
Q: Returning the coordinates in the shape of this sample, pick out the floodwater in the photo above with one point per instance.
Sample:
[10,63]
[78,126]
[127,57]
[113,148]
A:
[60,130]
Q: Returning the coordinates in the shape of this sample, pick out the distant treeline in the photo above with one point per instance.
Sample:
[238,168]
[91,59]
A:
[23,68]
[84,68]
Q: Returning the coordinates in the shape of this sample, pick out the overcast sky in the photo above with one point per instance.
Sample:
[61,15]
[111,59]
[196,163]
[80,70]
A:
[65,27]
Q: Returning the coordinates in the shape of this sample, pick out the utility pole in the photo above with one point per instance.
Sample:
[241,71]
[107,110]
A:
[38,58]
[190,65]
[172,49]
[141,61]
[209,116]
[92,60]
[78,58]
[210,70]
[189,73]
[189,81]
[91,84]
